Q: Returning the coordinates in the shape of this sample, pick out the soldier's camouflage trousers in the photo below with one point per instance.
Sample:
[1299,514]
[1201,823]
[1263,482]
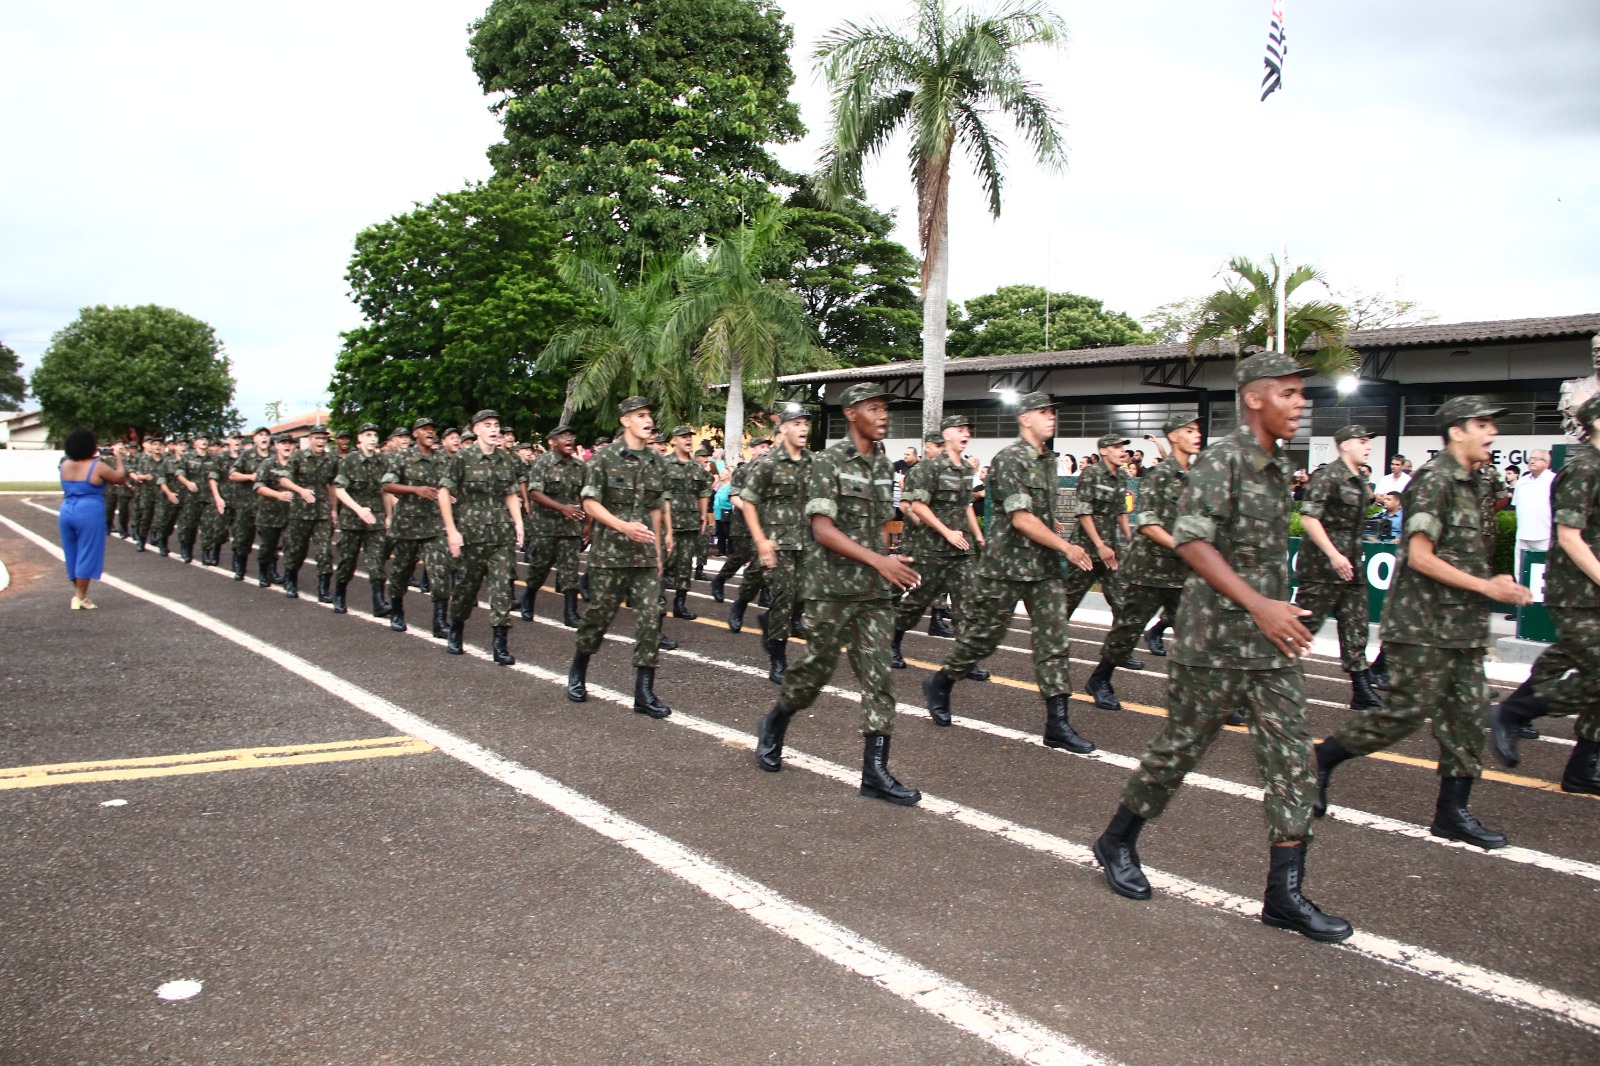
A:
[1078,582]
[243,533]
[1201,698]
[312,536]
[783,581]
[491,561]
[214,526]
[608,587]
[369,546]
[191,511]
[988,614]
[269,538]
[434,554]
[165,516]
[941,574]
[865,630]
[1567,675]
[118,505]
[144,509]
[680,563]
[702,549]
[1347,603]
[1445,684]
[554,553]
[1139,603]
[741,550]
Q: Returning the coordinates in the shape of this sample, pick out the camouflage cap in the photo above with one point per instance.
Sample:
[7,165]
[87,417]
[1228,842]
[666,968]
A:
[369,427]
[399,431]
[448,430]
[793,412]
[563,430]
[1345,433]
[680,431]
[704,449]
[318,431]
[955,421]
[1112,440]
[1588,411]
[662,438]
[861,392]
[282,438]
[1265,365]
[1462,407]
[1177,420]
[934,438]
[261,429]
[469,438]
[423,421]
[1034,401]
[598,441]
[632,404]
[761,442]
[484,414]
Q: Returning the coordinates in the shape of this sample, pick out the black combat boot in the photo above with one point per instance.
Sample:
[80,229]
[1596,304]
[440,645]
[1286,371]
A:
[978,673]
[797,626]
[897,661]
[452,643]
[1099,686]
[569,610]
[525,602]
[583,586]
[1330,753]
[1284,907]
[277,575]
[1582,775]
[1154,641]
[423,584]
[1362,695]
[876,781]
[764,598]
[644,693]
[185,553]
[700,572]
[778,650]
[265,576]
[939,623]
[1118,854]
[339,604]
[578,677]
[680,607]
[502,654]
[1509,717]
[380,606]
[324,588]
[1236,717]
[397,613]
[138,539]
[161,546]
[719,588]
[769,738]
[291,583]
[936,693]
[122,530]
[1453,821]
[441,619]
[736,615]
[1130,663]
[238,566]
[1058,731]
[1377,674]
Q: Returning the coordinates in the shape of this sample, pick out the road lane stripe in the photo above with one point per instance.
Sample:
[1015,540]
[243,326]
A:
[208,762]
[946,999]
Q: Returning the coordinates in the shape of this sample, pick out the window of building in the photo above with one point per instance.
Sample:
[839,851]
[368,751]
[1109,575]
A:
[1527,414]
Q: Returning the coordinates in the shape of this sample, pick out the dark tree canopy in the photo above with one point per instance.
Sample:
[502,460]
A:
[1011,319]
[459,296]
[12,386]
[143,369]
[857,285]
[644,124]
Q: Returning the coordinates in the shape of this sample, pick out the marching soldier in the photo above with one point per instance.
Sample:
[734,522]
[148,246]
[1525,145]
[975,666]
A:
[169,482]
[1332,572]
[243,476]
[688,495]
[1102,513]
[119,503]
[1436,625]
[702,543]
[193,475]
[362,534]
[558,526]
[938,494]
[483,527]
[1152,573]
[775,496]
[1566,678]
[416,528]
[850,582]
[221,501]
[311,471]
[143,477]
[1022,563]
[740,550]
[624,493]
[276,490]
[1238,637]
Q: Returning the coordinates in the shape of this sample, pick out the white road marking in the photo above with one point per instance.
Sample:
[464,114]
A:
[952,1002]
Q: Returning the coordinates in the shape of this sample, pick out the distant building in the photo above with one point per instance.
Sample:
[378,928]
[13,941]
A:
[23,430]
[300,426]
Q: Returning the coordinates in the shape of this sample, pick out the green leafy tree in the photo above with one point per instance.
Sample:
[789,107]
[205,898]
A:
[1171,323]
[943,77]
[142,369]
[744,329]
[644,125]
[1012,319]
[459,297]
[1379,310]
[1245,311]
[13,389]
[856,284]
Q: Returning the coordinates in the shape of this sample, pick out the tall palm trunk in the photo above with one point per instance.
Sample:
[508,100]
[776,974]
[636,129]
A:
[933,207]
[733,420]
[570,406]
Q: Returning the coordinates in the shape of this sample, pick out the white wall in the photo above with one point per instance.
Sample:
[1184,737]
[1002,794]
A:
[17,464]
[1507,450]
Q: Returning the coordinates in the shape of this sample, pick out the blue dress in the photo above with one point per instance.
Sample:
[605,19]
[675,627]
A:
[83,526]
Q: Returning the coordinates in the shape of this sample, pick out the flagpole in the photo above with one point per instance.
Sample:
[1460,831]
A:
[1283,200]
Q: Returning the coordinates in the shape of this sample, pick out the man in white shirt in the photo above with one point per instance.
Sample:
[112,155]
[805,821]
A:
[1396,479]
[1531,498]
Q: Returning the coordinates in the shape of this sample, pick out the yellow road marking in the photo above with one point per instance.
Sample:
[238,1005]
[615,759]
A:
[207,762]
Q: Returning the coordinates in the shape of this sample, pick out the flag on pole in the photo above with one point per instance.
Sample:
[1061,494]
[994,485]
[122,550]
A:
[1277,49]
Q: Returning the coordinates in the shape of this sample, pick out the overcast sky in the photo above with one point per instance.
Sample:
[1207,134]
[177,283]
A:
[220,158]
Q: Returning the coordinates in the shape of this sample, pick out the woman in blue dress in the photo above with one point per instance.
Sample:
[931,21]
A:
[83,510]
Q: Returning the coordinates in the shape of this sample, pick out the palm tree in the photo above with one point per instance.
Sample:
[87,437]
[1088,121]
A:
[942,76]
[1245,311]
[742,329]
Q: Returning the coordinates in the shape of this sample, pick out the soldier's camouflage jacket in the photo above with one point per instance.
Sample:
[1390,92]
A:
[1237,500]
[361,477]
[1492,488]
[1338,498]
[779,489]
[946,489]
[197,468]
[561,480]
[629,484]
[687,483]
[314,472]
[1575,502]
[415,518]
[479,485]
[1443,502]
[737,526]
[1021,478]
[1103,495]
[249,462]
[272,513]
[1148,563]
[857,492]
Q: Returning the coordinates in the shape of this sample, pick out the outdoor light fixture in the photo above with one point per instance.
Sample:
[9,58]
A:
[1009,396]
[1348,384]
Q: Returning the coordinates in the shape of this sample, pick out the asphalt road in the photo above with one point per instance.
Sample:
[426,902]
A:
[526,880]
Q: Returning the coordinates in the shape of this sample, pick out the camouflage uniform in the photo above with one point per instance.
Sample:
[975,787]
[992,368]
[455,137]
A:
[144,495]
[946,489]
[848,605]
[687,483]
[271,516]
[1567,676]
[1237,500]
[1103,496]
[214,524]
[310,528]
[629,484]
[778,490]
[248,502]
[361,477]
[119,503]
[1152,576]
[1492,488]
[741,549]
[479,484]
[1337,496]
[416,529]
[554,541]
[196,467]
[165,518]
